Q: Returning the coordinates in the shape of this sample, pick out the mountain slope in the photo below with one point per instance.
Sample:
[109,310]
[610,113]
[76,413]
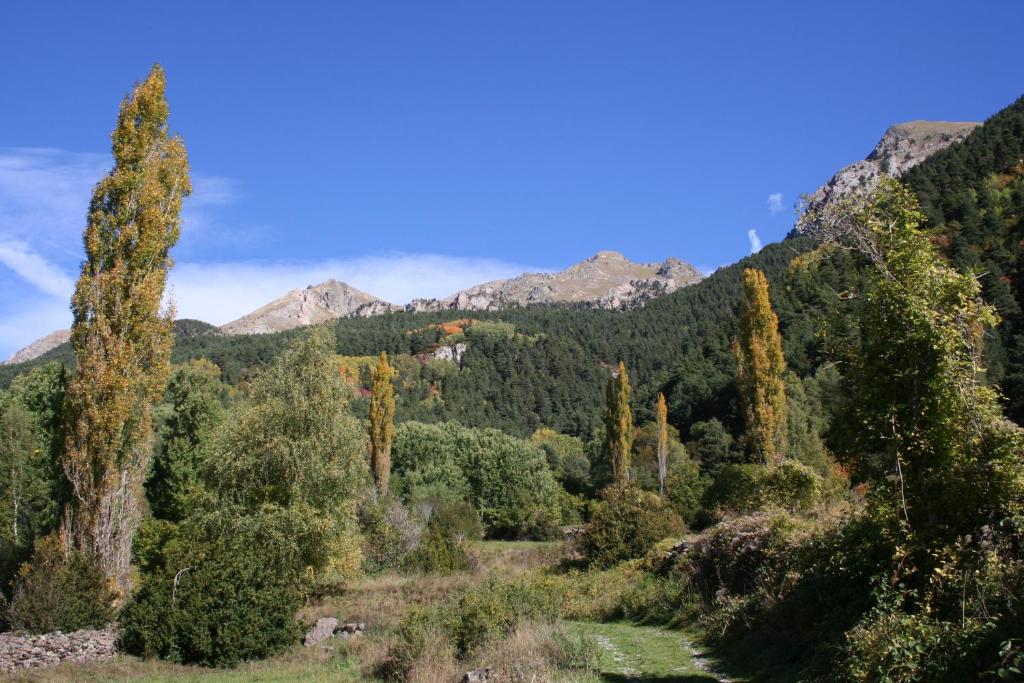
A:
[300,307]
[39,347]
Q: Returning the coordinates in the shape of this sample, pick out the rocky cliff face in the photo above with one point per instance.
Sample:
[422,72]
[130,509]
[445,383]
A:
[606,280]
[315,304]
[903,146]
[40,346]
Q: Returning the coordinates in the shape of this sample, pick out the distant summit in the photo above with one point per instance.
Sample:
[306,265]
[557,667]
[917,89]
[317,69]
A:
[315,304]
[605,280]
[39,347]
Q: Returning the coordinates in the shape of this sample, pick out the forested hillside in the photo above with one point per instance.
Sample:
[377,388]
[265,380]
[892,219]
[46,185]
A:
[973,196]
[551,370]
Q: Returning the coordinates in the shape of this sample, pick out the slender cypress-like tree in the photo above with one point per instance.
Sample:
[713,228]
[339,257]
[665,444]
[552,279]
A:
[661,415]
[121,338]
[761,366]
[618,422]
[382,422]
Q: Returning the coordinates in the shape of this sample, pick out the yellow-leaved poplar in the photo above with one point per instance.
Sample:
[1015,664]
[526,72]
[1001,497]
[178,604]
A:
[661,416]
[761,364]
[121,337]
[382,422]
[618,422]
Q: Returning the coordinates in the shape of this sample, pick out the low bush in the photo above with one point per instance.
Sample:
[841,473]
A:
[52,592]
[390,533]
[439,553]
[459,520]
[684,489]
[625,523]
[220,595]
[592,595]
[466,622]
[748,488]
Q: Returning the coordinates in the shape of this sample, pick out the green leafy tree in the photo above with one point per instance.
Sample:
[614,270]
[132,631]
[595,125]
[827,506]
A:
[761,366]
[505,478]
[121,339]
[23,482]
[618,424]
[918,411]
[382,422]
[712,446]
[194,393]
[294,447]
[567,458]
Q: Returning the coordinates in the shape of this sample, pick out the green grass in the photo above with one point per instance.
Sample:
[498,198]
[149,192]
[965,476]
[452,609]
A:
[645,654]
[282,669]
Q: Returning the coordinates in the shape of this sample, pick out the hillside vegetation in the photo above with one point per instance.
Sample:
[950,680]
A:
[807,466]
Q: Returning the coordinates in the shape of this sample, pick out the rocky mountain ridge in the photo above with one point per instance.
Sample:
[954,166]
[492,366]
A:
[606,280]
[903,146]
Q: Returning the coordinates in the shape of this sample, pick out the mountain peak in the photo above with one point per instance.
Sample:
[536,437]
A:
[318,303]
[902,146]
[606,255]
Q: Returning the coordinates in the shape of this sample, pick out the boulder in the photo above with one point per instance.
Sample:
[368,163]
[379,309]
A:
[323,630]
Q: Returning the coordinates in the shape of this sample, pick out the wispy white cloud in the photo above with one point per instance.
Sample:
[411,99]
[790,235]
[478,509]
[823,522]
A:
[30,266]
[221,292]
[775,203]
[755,241]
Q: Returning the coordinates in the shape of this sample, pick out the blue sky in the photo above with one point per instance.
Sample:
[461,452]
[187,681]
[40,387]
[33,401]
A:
[414,148]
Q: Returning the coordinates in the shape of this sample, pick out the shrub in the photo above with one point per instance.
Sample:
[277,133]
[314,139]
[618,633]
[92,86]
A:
[458,520]
[227,593]
[52,592]
[625,524]
[390,533]
[467,621]
[439,553]
[684,489]
[654,599]
[592,595]
[748,488]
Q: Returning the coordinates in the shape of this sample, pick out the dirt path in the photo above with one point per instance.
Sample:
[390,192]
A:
[647,653]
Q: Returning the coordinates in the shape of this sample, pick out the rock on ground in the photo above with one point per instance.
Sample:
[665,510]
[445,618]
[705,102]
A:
[23,651]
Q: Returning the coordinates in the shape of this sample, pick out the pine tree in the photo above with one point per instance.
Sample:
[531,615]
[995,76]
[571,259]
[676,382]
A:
[618,422]
[121,339]
[382,422]
[661,415]
[761,366]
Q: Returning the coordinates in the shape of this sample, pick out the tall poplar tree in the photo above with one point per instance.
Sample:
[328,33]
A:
[761,366]
[618,422]
[382,422]
[121,338]
[661,415]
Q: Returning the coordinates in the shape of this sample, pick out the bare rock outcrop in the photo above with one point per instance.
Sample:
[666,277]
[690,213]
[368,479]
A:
[903,146]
